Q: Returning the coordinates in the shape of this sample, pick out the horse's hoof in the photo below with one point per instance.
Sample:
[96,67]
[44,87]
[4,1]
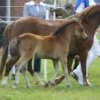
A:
[86,83]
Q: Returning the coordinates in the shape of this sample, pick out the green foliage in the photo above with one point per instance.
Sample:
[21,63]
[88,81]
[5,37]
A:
[60,92]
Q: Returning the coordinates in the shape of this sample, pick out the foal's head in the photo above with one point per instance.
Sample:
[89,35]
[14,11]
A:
[78,29]
[72,26]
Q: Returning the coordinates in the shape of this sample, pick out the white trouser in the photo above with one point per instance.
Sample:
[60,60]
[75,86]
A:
[92,54]
[13,70]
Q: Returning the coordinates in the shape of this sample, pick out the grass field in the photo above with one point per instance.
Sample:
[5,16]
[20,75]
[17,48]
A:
[60,92]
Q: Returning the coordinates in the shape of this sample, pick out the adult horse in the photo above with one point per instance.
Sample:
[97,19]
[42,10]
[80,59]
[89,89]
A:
[90,19]
[56,48]
[90,24]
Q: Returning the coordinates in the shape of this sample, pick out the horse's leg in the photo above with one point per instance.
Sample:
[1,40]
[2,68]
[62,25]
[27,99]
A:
[34,74]
[52,82]
[9,66]
[24,72]
[30,67]
[63,61]
[83,59]
[69,63]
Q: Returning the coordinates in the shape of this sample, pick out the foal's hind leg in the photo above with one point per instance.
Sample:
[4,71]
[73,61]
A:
[52,81]
[20,63]
[24,72]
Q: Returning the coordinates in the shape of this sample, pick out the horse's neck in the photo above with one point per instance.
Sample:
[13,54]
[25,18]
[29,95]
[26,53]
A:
[93,24]
[96,23]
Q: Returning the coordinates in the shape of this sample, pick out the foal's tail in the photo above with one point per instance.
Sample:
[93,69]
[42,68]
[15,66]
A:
[13,47]
[6,39]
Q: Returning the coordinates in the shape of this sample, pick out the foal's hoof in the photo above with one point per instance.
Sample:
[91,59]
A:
[39,84]
[47,84]
[29,86]
[57,81]
[68,86]
[14,86]
[4,85]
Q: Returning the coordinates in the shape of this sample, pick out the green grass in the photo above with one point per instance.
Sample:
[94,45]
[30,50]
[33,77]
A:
[60,92]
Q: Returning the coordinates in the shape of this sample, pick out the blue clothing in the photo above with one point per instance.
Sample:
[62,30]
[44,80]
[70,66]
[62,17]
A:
[31,9]
[39,11]
[86,3]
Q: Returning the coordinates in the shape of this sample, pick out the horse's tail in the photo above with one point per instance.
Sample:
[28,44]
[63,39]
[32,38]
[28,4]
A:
[6,39]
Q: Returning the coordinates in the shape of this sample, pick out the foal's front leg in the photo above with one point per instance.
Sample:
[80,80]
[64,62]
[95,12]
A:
[63,61]
[24,72]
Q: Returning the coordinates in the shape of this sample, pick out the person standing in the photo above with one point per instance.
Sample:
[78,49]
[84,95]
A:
[94,52]
[37,9]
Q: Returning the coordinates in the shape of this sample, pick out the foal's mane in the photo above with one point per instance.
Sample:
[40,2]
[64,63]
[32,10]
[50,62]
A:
[60,30]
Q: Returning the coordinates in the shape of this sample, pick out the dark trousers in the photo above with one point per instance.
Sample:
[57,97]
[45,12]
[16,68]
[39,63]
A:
[37,64]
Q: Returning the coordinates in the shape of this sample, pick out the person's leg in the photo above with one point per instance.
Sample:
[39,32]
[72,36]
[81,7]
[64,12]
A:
[37,64]
[96,47]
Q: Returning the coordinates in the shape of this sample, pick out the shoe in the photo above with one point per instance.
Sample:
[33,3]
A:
[74,76]
[78,78]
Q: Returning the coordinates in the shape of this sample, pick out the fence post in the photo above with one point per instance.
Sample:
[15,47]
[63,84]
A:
[8,10]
